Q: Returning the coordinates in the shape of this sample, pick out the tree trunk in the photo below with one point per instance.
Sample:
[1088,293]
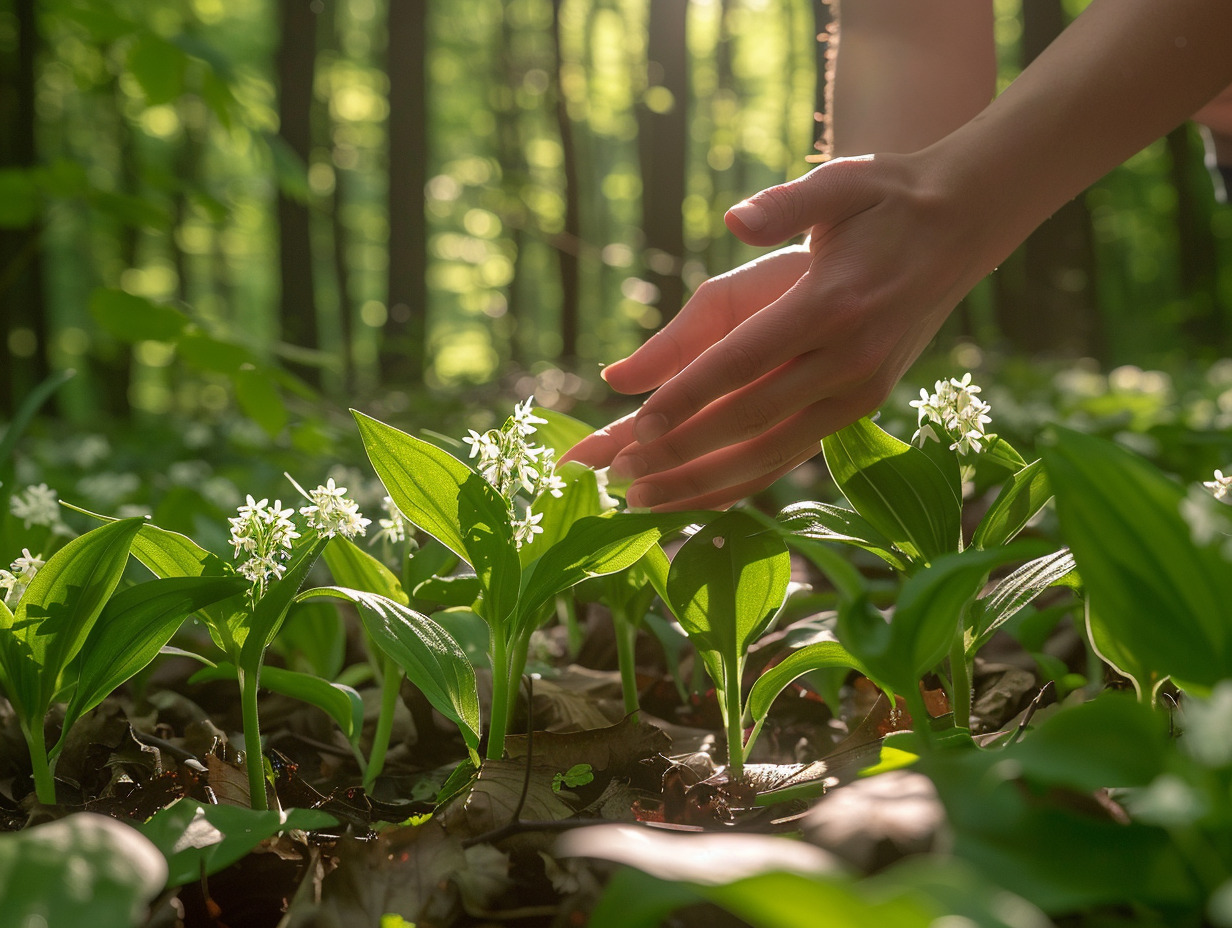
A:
[1206,322]
[570,275]
[23,315]
[662,135]
[1051,304]
[403,357]
[296,65]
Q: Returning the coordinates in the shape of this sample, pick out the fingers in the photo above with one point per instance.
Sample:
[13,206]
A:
[825,196]
[753,462]
[729,496]
[718,306]
[598,448]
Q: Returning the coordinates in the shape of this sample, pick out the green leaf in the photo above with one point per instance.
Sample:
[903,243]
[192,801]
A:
[446,499]
[593,546]
[57,611]
[1021,497]
[1165,600]
[355,568]
[928,618]
[897,488]
[158,67]
[199,839]
[449,591]
[133,627]
[560,432]
[433,661]
[999,452]
[825,522]
[134,318]
[25,412]
[774,680]
[727,582]
[20,203]
[1017,591]
[260,399]
[578,498]
[213,355]
[337,700]
[85,869]
[273,605]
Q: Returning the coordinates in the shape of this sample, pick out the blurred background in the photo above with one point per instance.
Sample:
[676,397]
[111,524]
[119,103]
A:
[236,218]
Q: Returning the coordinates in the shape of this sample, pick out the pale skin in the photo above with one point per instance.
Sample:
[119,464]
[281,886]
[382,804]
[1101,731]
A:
[767,359]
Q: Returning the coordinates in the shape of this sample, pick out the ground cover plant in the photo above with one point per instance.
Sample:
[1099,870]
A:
[976,686]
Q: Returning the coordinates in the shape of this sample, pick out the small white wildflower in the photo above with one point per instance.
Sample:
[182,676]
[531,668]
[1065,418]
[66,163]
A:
[265,533]
[37,505]
[393,527]
[954,407]
[333,513]
[1220,485]
[15,580]
[524,420]
[525,529]
[606,500]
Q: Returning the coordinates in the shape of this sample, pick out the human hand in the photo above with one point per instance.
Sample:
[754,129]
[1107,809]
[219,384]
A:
[766,360]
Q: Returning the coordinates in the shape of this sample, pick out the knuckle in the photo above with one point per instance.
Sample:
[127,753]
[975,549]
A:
[752,418]
[738,362]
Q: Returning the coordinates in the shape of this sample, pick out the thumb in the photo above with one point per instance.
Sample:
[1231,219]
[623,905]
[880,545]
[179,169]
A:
[820,197]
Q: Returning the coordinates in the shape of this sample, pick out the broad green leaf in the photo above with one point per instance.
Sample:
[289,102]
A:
[999,452]
[594,546]
[134,318]
[197,839]
[340,702]
[272,607]
[356,569]
[897,488]
[85,869]
[433,661]
[1021,497]
[260,399]
[211,354]
[560,432]
[727,582]
[133,627]
[825,522]
[313,639]
[57,611]
[578,499]
[1018,590]
[848,581]
[1165,599]
[449,591]
[928,618]
[446,499]
[774,680]
[158,67]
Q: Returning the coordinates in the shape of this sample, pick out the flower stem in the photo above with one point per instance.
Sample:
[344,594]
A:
[391,686]
[626,660]
[254,760]
[960,676]
[44,781]
[735,722]
[500,695]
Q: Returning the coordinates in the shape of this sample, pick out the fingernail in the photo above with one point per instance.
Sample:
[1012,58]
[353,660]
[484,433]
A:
[642,496]
[647,428]
[628,467]
[748,212]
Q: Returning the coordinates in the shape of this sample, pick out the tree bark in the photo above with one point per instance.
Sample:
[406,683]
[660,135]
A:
[296,66]
[403,356]
[1206,322]
[570,272]
[23,315]
[662,151]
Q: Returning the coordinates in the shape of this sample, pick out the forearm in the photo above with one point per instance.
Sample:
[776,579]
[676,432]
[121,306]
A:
[1123,74]
[907,72]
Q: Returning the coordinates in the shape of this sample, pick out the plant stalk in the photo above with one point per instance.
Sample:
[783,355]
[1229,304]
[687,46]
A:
[500,696]
[254,760]
[626,660]
[735,722]
[391,686]
[960,681]
[40,768]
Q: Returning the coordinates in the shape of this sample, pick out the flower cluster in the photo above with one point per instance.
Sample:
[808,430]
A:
[1220,485]
[265,534]
[333,513]
[513,466]
[393,527]
[957,410]
[15,580]
[39,505]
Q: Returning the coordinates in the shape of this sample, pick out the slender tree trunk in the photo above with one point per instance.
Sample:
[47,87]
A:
[509,72]
[1206,322]
[403,355]
[296,65]
[570,272]
[23,314]
[1051,305]
[662,136]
